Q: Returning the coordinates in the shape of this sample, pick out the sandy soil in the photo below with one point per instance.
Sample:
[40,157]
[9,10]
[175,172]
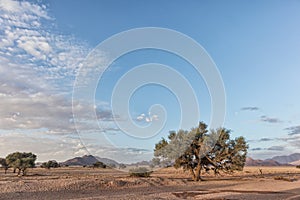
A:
[84,183]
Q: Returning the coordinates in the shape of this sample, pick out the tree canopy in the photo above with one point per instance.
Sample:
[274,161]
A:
[21,161]
[99,164]
[201,149]
[50,164]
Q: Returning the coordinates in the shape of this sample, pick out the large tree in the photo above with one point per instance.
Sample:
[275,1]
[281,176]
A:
[201,149]
[21,161]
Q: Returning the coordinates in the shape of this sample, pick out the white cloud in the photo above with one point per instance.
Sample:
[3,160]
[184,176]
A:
[10,6]
[27,37]
[59,148]
[154,117]
[37,71]
[141,117]
[147,118]
[23,7]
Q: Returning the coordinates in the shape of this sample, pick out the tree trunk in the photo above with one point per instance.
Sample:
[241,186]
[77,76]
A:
[23,172]
[15,170]
[193,174]
[216,172]
[198,172]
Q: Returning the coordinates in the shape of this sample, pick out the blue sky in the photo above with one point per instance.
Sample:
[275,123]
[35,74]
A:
[254,44]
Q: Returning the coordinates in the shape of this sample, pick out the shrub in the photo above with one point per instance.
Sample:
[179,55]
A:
[298,166]
[140,172]
[285,179]
[50,164]
[99,165]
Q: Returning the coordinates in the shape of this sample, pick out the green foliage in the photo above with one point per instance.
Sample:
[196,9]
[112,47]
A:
[200,149]
[50,164]
[140,172]
[155,161]
[4,164]
[99,164]
[21,161]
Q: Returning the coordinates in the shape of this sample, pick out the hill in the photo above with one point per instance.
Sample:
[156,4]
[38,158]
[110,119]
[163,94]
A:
[293,159]
[287,159]
[268,162]
[88,160]
[107,161]
[295,162]
[80,161]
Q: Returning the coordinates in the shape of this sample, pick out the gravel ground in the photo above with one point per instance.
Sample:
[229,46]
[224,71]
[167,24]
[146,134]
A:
[78,183]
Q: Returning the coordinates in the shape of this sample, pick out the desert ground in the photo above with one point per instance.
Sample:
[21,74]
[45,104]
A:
[87,183]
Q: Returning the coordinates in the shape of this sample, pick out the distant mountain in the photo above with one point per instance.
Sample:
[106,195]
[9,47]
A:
[88,160]
[107,161]
[141,163]
[287,159]
[81,161]
[295,162]
[269,162]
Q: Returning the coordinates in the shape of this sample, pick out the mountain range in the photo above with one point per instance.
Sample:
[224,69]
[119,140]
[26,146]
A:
[293,159]
[287,159]
[268,162]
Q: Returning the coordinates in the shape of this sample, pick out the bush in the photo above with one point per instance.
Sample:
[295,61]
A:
[140,172]
[99,165]
[285,179]
[298,166]
[50,164]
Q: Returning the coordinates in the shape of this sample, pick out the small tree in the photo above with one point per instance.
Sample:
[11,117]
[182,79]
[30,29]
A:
[21,161]
[196,150]
[99,164]
[50,164]
[4,164]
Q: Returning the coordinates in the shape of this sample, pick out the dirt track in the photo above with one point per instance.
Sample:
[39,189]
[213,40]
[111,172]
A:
[78,183]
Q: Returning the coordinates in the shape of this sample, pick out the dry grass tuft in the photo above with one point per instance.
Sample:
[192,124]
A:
[140,172]
[285,179]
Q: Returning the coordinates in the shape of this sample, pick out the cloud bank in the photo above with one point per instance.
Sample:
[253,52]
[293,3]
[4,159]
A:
[38,66]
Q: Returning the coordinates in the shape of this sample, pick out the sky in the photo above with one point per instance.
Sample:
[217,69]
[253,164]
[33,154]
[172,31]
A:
[46,50]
